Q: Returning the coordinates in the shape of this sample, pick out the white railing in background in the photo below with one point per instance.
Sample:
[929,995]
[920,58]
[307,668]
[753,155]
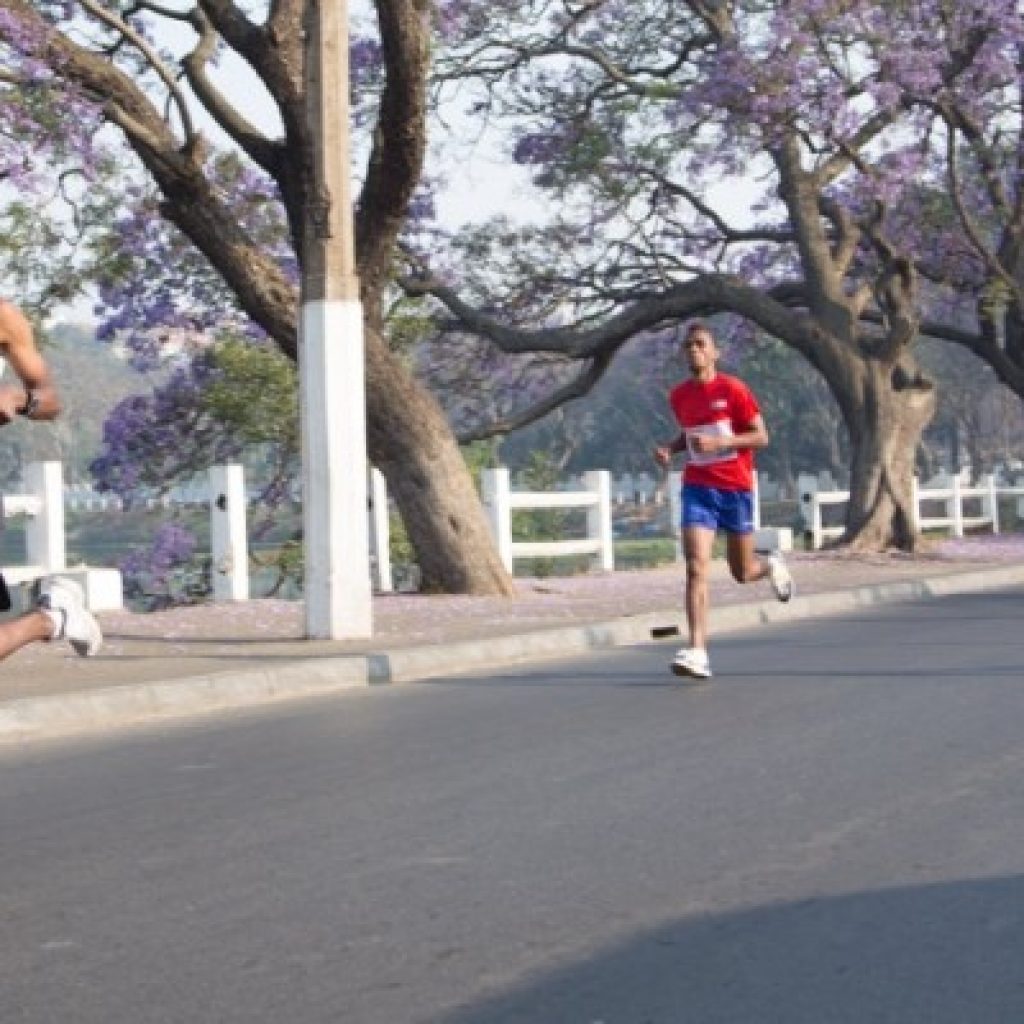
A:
[952,496]
[229,547]
[500,500]
[380,533]
[42,502]
[229,534]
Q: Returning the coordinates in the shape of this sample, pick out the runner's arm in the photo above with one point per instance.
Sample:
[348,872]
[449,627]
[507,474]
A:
[663,452]
[36,394]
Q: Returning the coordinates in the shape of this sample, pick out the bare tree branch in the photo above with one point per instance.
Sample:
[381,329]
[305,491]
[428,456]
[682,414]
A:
[576,388]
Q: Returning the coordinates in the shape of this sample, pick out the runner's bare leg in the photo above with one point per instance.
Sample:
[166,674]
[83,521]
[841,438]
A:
[744,563]
[25,629]
[698,542]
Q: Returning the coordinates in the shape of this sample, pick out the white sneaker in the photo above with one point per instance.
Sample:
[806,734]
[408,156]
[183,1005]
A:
[692,662]
[64,602]
[782,580]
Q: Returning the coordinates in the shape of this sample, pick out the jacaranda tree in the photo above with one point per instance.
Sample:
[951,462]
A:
[884,139]
[102,61]
[883,136]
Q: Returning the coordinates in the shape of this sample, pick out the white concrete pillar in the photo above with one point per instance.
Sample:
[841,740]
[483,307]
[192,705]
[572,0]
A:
[228,533]
[599,517]
[334,499]
[44,533]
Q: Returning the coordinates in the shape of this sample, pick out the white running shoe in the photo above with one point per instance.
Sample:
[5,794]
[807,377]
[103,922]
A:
[692,662]
[64,602]
[782,580]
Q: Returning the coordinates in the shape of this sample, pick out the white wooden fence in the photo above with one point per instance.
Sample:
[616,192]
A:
[42,502]
[500,500]
[229,536]
[43,498]
[952,496]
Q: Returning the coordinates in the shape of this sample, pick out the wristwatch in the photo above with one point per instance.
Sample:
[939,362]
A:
[31,403]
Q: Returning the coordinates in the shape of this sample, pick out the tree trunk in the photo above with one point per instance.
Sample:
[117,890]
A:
[886,410]
[411,442]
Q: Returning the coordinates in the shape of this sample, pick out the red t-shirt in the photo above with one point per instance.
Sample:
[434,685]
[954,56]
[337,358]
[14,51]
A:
[723,406]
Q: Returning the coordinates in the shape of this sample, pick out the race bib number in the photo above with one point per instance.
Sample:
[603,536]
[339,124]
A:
[720,428]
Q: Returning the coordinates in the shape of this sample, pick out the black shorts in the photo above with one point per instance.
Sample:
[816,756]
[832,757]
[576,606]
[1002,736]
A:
[5,595]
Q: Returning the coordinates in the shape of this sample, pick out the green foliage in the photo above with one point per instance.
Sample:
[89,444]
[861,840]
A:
[646,553]
[255,396]
[400,547]
[410,322]
[480,455]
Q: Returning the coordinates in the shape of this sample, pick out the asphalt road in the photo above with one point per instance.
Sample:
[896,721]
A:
[831,832]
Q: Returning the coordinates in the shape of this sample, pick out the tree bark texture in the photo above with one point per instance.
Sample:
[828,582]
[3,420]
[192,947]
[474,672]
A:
[886,411]
[411,443]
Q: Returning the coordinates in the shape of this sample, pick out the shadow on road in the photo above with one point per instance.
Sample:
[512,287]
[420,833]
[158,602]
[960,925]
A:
[935,954]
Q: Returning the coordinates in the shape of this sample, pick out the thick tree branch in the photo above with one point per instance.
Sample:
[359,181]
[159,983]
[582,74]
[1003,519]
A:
[396,157]
[701,296]
[262,150]
[576,388]
[988,257]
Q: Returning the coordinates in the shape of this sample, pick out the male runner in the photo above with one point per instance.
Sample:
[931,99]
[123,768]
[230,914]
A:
[60,613]
[721,426]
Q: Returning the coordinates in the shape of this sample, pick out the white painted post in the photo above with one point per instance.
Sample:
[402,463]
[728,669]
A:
[335,513]
[599,517]
[958,507]
[380,530]
[817,537]
[497,486]
[44,533]
[332,393]
[806,485]
[757,502]
[228,533]
[674,486]
[993,502]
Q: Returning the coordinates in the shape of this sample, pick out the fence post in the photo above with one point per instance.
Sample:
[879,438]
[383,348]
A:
[44,533]
[228,533]
[599,517]
[380,530]
[958,507]
[993,502]
[757,502]
[497,487]
[915,504]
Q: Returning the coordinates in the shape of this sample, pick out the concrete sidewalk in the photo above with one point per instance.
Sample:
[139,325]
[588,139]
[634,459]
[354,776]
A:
[202,658]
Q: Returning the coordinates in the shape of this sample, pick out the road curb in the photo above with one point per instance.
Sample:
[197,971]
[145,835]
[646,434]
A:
[115,706]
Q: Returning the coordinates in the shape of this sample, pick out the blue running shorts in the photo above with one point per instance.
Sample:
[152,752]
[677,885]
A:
[714,509]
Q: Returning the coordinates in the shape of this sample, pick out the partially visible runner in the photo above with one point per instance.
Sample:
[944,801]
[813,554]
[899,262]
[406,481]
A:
[721,426]
[60,612]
